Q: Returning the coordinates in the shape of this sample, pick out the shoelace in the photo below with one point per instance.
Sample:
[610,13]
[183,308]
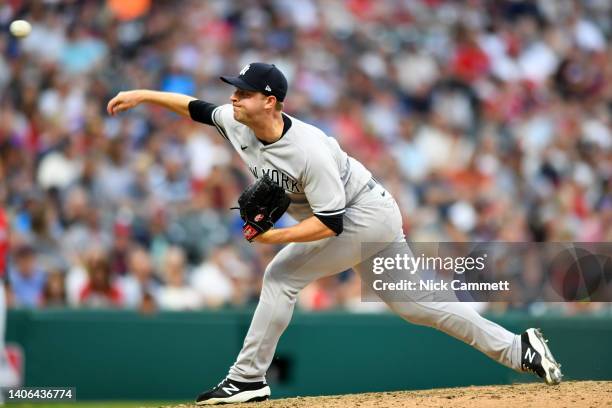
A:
[226,379]
[220,384]
[539,331]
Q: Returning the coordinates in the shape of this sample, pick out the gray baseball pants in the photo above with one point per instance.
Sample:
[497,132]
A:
[373,216]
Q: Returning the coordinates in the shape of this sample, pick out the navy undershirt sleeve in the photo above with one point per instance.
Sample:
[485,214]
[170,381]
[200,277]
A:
[333,222]
[201,111]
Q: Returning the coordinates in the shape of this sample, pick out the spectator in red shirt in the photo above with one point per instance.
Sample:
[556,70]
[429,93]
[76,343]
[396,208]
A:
[469,62]
[99,291]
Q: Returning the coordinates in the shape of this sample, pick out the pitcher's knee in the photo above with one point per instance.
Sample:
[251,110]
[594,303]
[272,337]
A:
[415,313]
[278,281]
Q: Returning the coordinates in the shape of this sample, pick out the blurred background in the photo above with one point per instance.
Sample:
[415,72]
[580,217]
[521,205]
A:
[487,120]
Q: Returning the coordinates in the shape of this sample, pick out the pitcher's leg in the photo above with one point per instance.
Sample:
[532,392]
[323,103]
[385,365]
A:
[464,323]
[452,317]
[449,315]
[270,320]
[290,271]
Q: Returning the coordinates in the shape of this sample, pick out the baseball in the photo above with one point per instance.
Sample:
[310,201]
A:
[20,28]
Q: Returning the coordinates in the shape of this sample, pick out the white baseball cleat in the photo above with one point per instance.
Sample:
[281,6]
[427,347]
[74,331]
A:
[537,358]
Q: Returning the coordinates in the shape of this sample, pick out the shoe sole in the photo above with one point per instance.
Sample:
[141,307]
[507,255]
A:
[552,369]
[259,395]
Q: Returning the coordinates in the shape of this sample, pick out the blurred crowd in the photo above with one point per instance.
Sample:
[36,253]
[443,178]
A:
[487,120]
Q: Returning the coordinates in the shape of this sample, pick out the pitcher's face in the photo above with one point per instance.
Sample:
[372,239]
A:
[249,106]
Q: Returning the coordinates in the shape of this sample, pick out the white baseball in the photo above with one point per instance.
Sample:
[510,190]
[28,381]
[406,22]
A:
[20,28]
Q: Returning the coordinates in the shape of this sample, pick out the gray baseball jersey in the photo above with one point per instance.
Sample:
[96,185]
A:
[319,177]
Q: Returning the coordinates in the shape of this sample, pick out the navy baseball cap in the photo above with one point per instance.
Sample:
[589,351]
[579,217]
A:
[260,77]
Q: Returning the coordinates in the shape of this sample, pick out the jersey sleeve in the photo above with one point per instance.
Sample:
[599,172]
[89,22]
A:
[223,120]
[324,190]
[221,117]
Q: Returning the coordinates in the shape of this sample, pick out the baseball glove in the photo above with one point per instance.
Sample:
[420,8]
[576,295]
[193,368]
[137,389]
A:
[261,205]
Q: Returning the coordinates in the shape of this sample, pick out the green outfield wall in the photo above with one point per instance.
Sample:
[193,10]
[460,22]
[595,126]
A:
[171,356]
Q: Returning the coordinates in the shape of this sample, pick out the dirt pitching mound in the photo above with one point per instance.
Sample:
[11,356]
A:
[582,394]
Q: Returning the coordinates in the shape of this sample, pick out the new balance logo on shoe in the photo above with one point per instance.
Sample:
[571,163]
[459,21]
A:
[530,354]
[230,389]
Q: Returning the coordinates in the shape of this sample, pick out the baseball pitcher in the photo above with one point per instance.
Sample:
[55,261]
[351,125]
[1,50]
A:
[338,205]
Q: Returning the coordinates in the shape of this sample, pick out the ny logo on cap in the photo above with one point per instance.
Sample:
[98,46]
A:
[245,69]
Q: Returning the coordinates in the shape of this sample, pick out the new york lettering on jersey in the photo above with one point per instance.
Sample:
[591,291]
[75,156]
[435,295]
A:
[279,177]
